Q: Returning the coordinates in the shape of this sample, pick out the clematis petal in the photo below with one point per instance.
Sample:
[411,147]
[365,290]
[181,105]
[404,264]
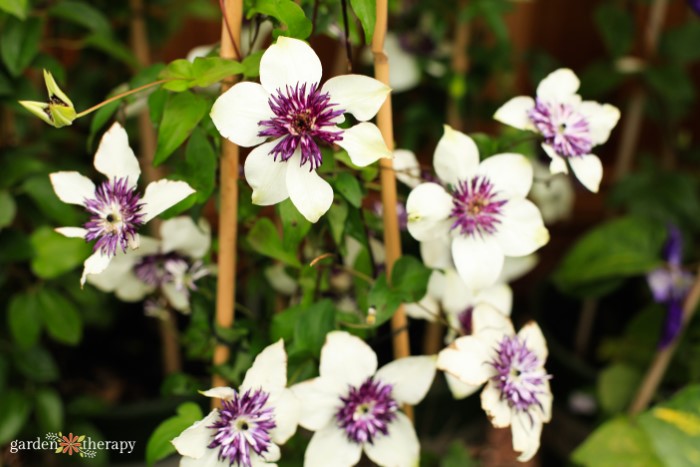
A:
[522,229]
[428,207]
[514,268]
[478,261]
[266,176]
[194,440]
[526,433]
[95,264]
[320,400]
[289,62]
[456,156]
[589,171]
[459,389]
[71,232]
[269,370]
[329,447]
[309,193]
[437,254]
[116,273]
[490,325]
[220,392]
[347,359]
[237,112]
[183,235]
[511,174]
[558,164]
[162,195]
[210,458]
[364,144]
[177,297]
[499,296]
[426,308]
[287,413]
[410,376]
[458,296]
[495,406]
[406,168]
[359,95]
[532,335]
[602,118]
[399,448]
[559,86]
[72,187]
[515,113]
[130,288]
[115,158]
[467,360]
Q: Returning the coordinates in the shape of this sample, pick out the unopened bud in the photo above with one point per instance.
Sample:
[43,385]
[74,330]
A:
[58,111]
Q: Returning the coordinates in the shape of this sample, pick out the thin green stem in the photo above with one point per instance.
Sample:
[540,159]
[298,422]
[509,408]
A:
[120,96]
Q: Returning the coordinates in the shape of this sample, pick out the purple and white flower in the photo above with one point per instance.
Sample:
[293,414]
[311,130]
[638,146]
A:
[570,127]
[288,115]
[517,392]
[172,265]
[483,213]
[353,407]
[252,421]
[117,210]
[670,285]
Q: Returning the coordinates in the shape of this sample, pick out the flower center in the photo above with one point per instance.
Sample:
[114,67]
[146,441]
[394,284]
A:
[303,116]
[115,216]
[519,374]
[155,270]
[476,208]
[367,411]
[563,127]
[244,424]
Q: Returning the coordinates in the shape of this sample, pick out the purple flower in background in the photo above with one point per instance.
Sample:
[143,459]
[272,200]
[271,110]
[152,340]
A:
[670,285]
[695,5]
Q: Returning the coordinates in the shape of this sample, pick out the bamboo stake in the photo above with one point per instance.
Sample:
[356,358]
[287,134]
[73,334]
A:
[392,239]
[228,214]
[658,366]
[169,338]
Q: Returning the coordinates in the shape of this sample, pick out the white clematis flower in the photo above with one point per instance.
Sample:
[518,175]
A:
[517,392]
[288,114]
[172,265]
[484,214]
[117,211]
[251,423]
[570,127]
[353,407]
[554,196]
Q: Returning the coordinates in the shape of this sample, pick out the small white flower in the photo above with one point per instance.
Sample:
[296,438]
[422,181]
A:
[517,392]
[117,211]
[172,264]
[251,422]
[570,127]
[288,115]
[484,214]
[352,407]
[406,168]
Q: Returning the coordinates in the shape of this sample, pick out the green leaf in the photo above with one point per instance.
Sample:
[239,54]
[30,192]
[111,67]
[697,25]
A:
[458,456]
[49,410]
[181,114]
[251,64]
[624,247]
[14,412]
[673,428]
[14,247]
[156,105]
[366,12]
[286,12]
[17,8]
[679,44]
[384,300]
[55,254]
[350,188]
[62,320]
[284,324]
[616,443]
[39,189]
[294,225]
[211,70]
[265,239]
[336,217]
[83,14]
[8,209]
[409,278]
[617,384]
[616,27]
[19,43]
[159,445]
[36,364]
[112,47]
[24,319]
[313,324]
[200,164]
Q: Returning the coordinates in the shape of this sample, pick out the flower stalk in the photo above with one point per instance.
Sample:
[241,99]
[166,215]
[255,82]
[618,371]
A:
[228,211]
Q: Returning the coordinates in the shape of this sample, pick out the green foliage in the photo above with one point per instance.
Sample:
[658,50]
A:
[617,385]
[19,43]
[200,164]
[14,412]
[366,12]
[616,27]
[265,239]
[617,442]
[60,317]
[458,456]
[159,446]
[49,409]
[677,44]
[17,8]
[350,188]
[286,12]
[181,115]
[83,14]
[24,319]
[294,225]
[409,282]
[55,254]
[183,74]
[8,209]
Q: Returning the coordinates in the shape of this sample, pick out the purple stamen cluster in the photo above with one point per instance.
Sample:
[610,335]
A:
[244,424]
[519,374]
[563,128]
[115,216]
[476,208]
[302,114]
[367,411]
[154,270]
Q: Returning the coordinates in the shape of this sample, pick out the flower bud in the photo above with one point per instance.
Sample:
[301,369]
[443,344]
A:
[58,111]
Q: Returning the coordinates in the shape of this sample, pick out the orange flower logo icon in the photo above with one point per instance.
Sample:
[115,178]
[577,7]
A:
[70,444]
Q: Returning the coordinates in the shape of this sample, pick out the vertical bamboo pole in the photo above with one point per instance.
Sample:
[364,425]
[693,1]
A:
[228,214]
[170,346]
[392,239]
